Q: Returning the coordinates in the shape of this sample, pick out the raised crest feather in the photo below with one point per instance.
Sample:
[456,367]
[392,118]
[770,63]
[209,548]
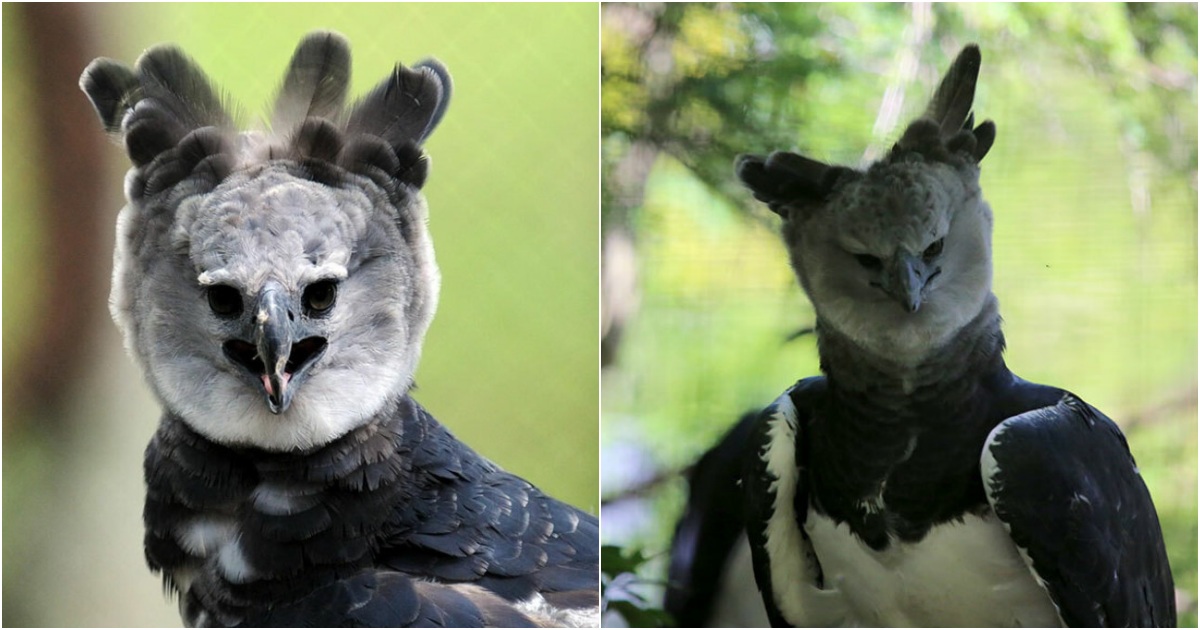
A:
[110,85]
[950,106]
[316,82]
[406,106]
[166,96]
[951,115]
[945,132]
[156,104]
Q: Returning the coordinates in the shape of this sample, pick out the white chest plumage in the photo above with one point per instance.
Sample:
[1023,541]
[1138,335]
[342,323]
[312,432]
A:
[965,574]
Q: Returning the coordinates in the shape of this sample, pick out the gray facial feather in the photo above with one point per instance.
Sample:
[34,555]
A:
[326,196]
[886,213]
[897,258]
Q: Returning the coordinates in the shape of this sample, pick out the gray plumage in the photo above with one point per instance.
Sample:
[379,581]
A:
[851,233]
[276,287]
[238,215]
[918,482]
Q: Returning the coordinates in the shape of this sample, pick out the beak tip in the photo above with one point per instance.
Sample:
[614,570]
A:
[278,395]
[278,405]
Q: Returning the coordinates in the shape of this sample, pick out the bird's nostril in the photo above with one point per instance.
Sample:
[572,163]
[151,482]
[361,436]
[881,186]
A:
[244,354]
[303,352]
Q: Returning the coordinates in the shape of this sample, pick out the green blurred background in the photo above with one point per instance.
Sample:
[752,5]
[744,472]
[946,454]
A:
[510,364]
[1092,180]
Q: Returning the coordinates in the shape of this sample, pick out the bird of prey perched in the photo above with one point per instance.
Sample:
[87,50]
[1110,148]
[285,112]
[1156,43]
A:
[276,286]
[918,482]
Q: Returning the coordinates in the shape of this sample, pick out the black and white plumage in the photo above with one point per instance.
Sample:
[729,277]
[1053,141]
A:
[918,482]
[276,287]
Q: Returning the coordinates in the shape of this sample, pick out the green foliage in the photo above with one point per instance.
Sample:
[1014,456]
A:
[620,571]
[690,79]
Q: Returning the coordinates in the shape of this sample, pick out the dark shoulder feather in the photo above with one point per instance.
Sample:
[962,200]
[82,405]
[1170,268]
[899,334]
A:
[1064,483]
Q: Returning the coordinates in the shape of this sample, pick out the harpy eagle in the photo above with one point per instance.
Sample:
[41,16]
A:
[275,287]
[918,482]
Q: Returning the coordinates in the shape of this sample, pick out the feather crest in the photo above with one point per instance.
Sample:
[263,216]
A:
[316,81]
[950,106]
[406,106]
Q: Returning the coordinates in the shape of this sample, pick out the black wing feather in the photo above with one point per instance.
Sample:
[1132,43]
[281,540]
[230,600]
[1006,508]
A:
[398,524]
[1063,479]
[383,599]
[711,524]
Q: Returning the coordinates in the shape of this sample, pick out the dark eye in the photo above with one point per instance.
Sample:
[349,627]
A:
[869,262]
[933,250]
[320,296]
[224,300]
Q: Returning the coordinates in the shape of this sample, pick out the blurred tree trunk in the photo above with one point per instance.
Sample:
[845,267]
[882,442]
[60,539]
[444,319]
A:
[69,144]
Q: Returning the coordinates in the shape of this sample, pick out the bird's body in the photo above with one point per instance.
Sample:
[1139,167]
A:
[395,509]
[276,287]
[918,481]
[893,501]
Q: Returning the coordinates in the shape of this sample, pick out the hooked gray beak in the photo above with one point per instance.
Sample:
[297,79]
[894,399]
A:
[273,328]
[905,279]
[280,356]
